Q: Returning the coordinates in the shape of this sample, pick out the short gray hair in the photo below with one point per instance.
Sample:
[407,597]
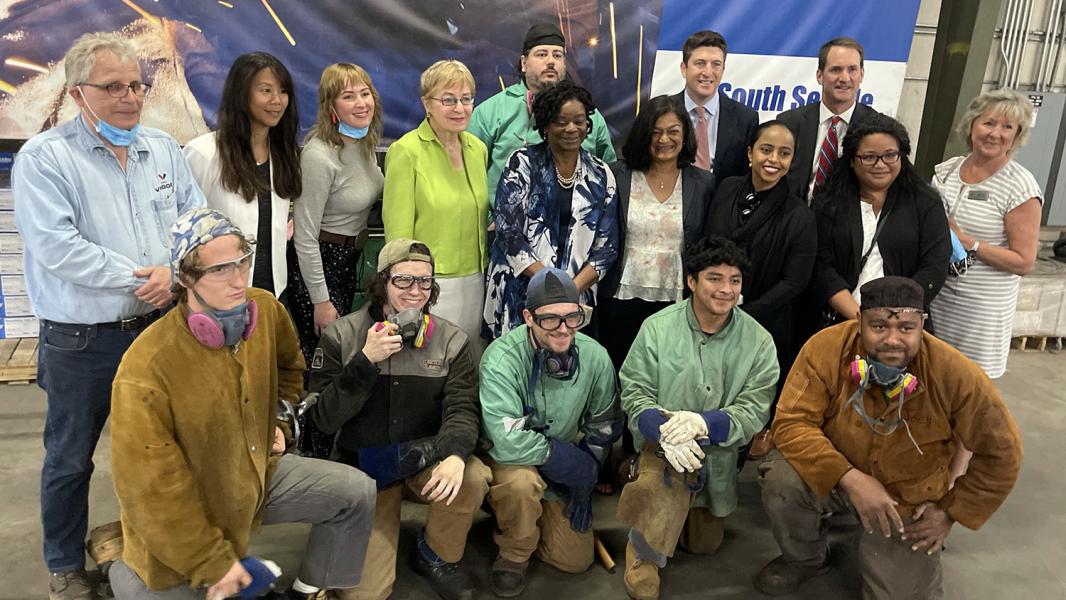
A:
[1008,103]
[81,58]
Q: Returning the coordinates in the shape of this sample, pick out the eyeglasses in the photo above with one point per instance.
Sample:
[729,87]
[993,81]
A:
[450,101]
[117,89]
[552,322]
[224,271]
[405,281]
[889,158]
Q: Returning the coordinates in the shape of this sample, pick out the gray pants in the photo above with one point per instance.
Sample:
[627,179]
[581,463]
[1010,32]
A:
[336,499]
[889,568]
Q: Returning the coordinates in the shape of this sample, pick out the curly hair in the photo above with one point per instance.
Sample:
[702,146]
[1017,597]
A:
[713,250]
[547,104]
[378,296]
[637,149]
[843,185]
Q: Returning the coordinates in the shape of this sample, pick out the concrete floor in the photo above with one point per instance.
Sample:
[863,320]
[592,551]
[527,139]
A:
[1019,553]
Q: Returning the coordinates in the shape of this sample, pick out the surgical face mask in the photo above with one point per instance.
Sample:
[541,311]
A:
[116,136]
[352,132]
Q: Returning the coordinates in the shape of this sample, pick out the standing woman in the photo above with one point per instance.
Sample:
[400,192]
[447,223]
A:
[777,231]
[435,191]
[341,182]
[556,206]
[993,204]
[877,217]
[249,169]
[662,204]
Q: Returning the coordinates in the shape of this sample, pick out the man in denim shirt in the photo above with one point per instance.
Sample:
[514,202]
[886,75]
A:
[94,200]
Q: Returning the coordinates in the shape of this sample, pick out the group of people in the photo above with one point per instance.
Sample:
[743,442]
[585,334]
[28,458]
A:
[727,282]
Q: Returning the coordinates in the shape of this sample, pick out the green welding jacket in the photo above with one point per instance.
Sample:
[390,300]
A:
[583,406]
[673,365]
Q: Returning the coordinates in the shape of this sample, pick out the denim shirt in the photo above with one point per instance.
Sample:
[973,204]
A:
[87,225]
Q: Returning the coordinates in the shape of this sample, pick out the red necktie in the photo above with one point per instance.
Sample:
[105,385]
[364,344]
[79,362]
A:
[827,153]
[703,157]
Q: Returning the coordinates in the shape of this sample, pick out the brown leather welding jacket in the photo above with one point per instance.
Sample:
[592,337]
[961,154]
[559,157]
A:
[822,437]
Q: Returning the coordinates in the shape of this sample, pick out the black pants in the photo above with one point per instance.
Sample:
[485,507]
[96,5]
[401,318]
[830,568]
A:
[341,267]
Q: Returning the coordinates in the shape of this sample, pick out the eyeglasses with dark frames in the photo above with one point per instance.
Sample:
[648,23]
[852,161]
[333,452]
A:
[889,158]
[117,89]
[551,322]
[405,281]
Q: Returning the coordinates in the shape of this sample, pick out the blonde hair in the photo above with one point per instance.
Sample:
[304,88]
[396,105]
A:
[1008,103]
[335,78]
[444,73]
[79,61]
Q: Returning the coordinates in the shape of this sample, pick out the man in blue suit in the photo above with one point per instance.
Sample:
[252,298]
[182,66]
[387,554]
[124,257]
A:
[723,126]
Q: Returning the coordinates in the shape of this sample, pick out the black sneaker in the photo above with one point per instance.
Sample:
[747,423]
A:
[447,579]
[508,578]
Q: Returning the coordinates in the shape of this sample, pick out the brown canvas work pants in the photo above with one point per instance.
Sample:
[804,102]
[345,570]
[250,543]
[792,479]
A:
[528,524]
[446,527]
[890,569]
[663,514]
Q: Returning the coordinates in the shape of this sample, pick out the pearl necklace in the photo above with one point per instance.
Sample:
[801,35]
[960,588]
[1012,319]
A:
[565,182]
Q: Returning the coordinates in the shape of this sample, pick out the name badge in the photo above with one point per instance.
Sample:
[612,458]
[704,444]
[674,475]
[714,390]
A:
[981,195]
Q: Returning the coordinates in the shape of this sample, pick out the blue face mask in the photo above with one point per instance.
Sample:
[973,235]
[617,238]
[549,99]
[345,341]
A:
[115,136]
[352,132]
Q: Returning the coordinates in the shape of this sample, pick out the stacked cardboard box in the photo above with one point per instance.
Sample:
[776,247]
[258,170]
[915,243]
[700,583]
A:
[1041,307]
[16,315]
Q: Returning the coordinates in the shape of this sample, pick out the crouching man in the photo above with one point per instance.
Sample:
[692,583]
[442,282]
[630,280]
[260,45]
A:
[548,405]
[866,424]
[195,442]
[400,385]
[697,385]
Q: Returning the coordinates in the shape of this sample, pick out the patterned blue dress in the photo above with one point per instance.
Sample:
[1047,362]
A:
[528,230]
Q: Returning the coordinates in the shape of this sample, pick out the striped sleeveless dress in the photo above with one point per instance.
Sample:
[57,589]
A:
[975,312]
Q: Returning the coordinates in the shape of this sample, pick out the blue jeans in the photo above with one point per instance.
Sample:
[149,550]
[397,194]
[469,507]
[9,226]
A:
[75,366]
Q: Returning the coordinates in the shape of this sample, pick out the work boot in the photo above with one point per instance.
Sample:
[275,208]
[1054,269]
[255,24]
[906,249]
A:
[70,585]
[508,578]
[447,579]
[642,578]
[781,577]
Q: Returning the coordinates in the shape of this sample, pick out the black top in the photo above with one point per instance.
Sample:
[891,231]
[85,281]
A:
[565,204]
[914,242]
[780,239]
[263,270]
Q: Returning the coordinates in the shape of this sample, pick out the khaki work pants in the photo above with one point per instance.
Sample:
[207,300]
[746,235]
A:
[526,523]
[890,570]
[446,527]
[664,514]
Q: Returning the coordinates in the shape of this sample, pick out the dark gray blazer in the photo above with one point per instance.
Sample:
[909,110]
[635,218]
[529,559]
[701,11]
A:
[736,125]
[697,189]
[803,122]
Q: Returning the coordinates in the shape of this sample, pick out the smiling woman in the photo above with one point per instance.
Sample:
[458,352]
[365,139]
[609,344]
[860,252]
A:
[662,201]
[555,207]
[249,169]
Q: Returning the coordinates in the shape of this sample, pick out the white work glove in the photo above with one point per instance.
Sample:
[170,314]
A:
[682,426]
[684,457]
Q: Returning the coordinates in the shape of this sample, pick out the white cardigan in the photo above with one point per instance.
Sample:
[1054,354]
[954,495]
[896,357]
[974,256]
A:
[203,161]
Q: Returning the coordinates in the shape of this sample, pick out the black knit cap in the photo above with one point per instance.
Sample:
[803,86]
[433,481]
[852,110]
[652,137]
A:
[550,286]
[892,292]
[543,34]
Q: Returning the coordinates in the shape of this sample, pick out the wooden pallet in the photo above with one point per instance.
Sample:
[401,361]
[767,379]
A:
[18,360]
[1036,343]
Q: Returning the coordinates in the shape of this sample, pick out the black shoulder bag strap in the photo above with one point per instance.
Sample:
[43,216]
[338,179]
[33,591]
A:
[877,234]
